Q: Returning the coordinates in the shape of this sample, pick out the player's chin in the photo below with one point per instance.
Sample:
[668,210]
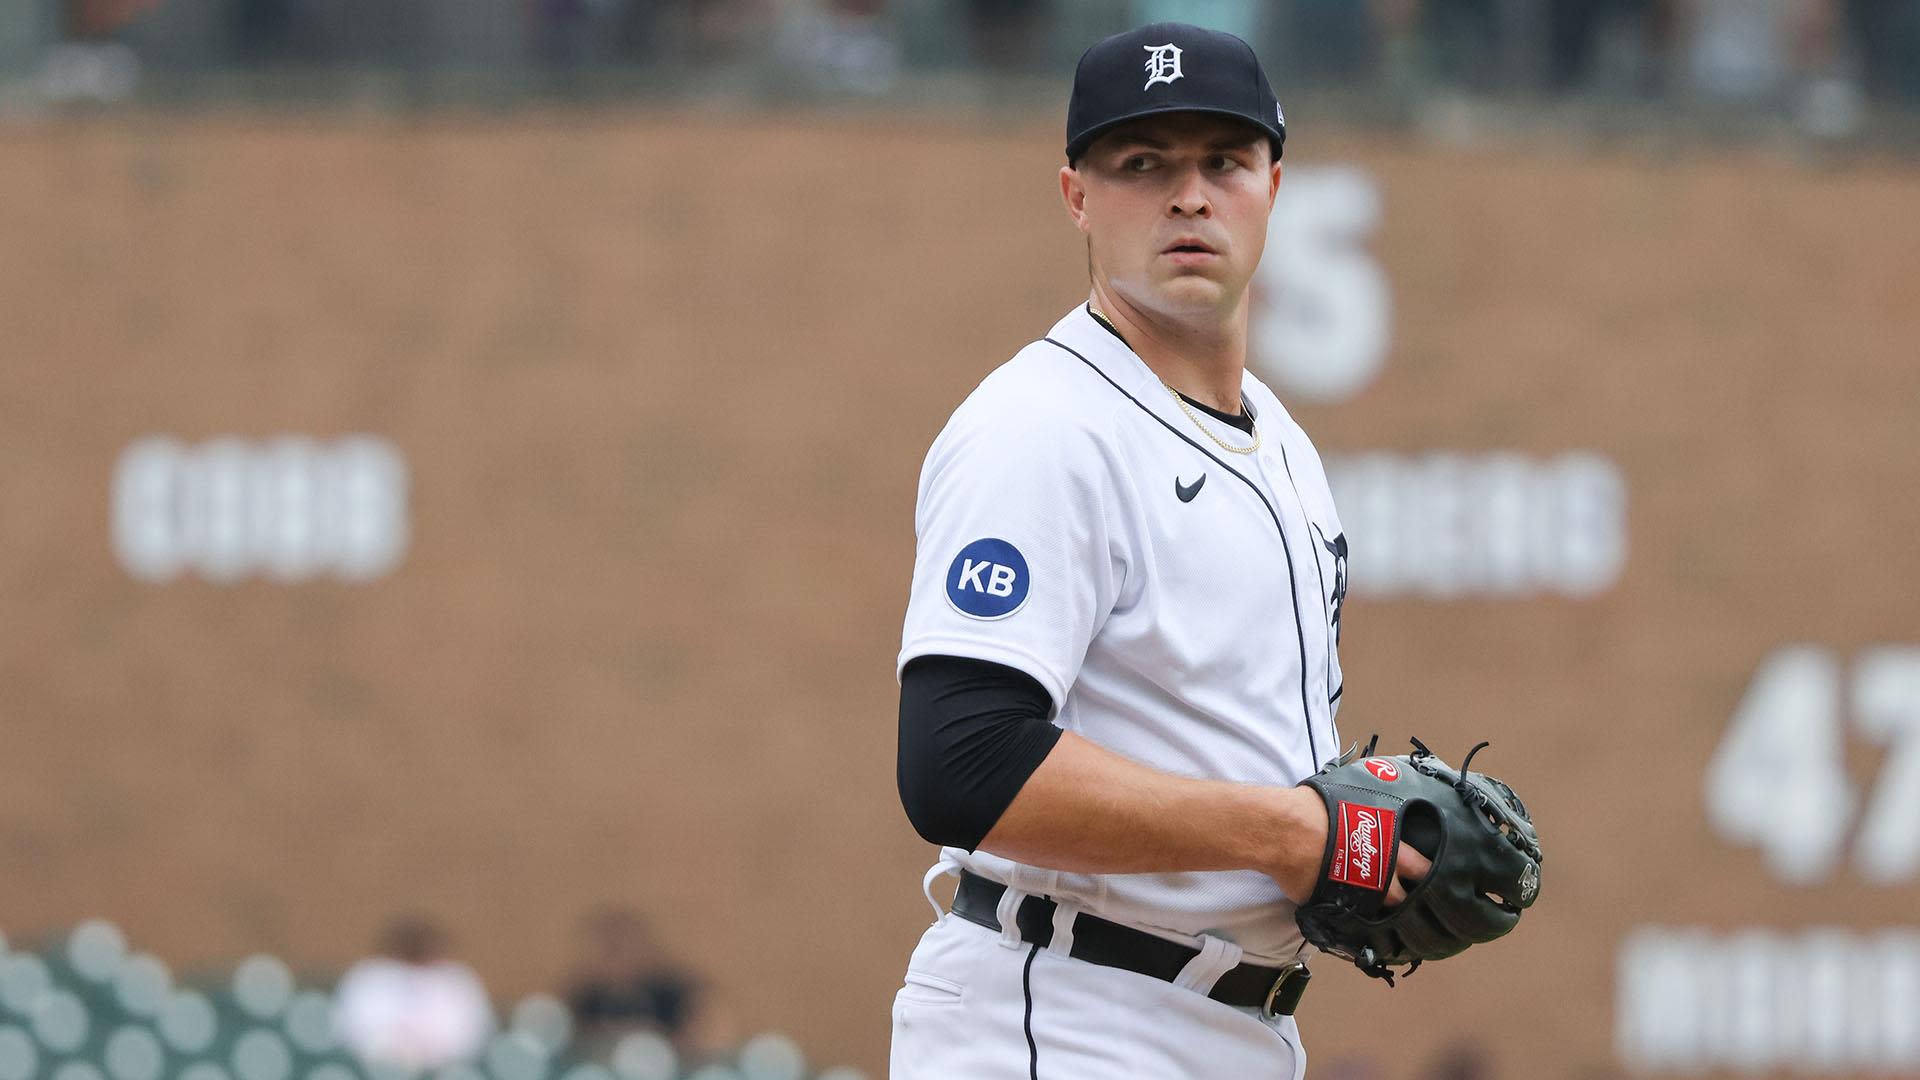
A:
[1192,292]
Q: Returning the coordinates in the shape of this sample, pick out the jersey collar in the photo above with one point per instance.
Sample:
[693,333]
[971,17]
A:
[1103,347]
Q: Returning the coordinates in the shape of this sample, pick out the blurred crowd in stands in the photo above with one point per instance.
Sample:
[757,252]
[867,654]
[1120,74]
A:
[415,1007]
[1741,51]
[623,981]
[1727,49]
[86,1005]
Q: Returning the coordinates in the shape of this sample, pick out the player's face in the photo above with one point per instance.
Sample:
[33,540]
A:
[1175,210]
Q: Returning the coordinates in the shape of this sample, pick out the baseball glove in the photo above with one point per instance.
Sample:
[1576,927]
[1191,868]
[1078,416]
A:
[1474,829]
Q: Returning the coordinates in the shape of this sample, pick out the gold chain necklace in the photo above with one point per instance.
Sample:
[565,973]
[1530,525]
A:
[1102,319]
[1208,432]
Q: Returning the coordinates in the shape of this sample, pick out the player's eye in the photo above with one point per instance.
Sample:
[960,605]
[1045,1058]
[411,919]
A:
[1222,162]
[1137,163]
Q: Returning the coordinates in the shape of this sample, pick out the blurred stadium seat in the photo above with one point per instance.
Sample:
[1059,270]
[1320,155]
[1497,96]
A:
[644,1055]
[18,1057]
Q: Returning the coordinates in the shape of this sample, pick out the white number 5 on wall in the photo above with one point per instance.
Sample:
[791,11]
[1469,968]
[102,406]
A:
[1323,309]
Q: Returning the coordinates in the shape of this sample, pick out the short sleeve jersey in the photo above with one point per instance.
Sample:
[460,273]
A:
[1179,602]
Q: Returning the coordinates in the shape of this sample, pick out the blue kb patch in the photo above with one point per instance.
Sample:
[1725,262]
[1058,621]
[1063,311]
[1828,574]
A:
[988,580]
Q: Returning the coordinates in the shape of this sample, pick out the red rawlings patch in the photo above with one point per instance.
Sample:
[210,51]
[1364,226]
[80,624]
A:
[1362,845]
[1382,769]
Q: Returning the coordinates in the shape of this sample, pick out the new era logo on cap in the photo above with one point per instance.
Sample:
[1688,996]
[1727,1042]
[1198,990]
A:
[1188,69]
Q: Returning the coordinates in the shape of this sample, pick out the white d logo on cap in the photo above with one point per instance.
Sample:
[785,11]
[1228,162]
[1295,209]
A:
[1163,64]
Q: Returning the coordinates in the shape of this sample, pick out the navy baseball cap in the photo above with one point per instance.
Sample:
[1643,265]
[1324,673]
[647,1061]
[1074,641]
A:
[1169,67]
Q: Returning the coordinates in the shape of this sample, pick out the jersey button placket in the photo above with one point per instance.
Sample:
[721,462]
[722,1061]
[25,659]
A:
[1294,527]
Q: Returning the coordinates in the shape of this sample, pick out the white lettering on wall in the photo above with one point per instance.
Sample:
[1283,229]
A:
[1448,525]
[288,509]
[1819,1000]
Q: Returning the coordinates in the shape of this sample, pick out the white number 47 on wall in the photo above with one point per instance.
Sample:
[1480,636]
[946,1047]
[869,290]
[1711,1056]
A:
[1779,779]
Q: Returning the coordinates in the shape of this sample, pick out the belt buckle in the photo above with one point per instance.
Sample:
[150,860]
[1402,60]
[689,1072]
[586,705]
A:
[1287,975]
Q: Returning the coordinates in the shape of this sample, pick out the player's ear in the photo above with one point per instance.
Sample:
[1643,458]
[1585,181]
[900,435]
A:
[1073,192]
[1273,187]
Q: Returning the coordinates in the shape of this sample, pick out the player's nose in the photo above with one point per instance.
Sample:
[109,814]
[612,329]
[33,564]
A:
[1190,198]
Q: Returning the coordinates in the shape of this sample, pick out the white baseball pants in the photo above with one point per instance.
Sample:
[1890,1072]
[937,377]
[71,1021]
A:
[974,1008]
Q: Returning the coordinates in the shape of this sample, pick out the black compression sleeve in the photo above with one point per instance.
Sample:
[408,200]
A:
[971,732]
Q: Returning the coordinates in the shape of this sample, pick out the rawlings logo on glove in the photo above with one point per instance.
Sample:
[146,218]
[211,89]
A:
[1485,854]
[1357,856]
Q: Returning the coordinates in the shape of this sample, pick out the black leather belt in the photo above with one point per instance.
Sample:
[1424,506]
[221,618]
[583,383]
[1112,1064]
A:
[1275,991]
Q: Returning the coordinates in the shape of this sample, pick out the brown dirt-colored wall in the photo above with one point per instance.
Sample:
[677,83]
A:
[663,382]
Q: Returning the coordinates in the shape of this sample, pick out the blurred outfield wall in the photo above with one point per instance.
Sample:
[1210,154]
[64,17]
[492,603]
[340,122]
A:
[500,516]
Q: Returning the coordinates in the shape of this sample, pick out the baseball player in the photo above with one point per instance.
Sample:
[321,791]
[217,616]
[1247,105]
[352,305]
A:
[1121,650]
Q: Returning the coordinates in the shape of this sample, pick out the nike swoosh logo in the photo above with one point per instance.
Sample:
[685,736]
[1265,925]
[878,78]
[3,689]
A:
[1187,492]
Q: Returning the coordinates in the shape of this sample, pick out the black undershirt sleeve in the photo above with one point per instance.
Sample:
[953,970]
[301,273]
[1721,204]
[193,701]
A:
[971,732]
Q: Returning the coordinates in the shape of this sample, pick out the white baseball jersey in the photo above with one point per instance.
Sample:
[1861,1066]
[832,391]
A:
[1180,603]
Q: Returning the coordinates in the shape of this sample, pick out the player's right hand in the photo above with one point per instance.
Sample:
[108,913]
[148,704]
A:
[1300,842]
[1409,870]
[1302,846]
